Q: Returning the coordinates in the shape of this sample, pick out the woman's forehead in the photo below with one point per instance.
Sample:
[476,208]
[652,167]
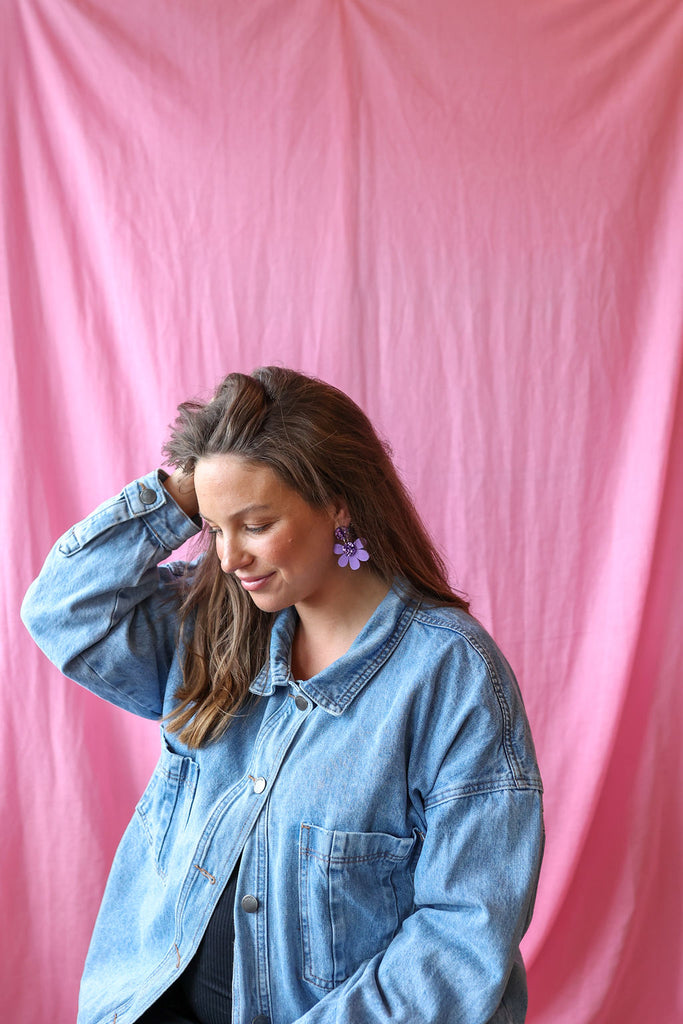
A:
[231,486]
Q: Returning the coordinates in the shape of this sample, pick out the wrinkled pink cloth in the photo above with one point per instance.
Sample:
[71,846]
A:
[468,216]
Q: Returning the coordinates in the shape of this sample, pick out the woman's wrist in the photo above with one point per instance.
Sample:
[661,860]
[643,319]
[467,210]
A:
[181,488]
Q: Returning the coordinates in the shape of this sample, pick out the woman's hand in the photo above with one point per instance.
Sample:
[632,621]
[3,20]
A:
[181,488]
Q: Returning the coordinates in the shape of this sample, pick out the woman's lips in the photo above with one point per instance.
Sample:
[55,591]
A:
[254,582]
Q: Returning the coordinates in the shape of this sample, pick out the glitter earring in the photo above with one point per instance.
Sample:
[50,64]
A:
[351,552]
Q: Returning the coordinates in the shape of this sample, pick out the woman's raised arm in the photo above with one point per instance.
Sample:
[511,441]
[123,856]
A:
[102,609]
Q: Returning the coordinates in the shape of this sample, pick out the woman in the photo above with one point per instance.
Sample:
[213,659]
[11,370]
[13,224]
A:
[347,795]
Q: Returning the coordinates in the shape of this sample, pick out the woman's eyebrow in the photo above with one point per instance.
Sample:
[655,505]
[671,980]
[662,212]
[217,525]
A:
[247,510]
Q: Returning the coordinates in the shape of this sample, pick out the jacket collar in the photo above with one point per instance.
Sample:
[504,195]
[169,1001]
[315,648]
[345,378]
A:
[337,685]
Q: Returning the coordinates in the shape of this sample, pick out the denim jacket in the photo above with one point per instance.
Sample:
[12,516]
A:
[386,813]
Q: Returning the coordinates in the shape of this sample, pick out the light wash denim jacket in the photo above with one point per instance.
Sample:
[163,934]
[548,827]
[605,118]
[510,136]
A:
[386,812]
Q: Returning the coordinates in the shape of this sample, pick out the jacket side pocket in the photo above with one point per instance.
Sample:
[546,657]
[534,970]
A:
[165,805]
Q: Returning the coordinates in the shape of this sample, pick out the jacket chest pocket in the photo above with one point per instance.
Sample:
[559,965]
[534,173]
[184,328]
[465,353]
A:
[355,889]
[164,807]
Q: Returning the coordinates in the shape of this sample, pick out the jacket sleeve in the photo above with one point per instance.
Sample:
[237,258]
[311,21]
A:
[456,957]
[103,609]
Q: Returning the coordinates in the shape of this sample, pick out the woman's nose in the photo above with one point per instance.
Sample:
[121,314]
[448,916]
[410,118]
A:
[232,555]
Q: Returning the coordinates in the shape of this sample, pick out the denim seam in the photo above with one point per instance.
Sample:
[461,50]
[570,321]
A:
[508,747]
[460,793]
[306,943]
[262,926]
[393,857]
[302,873]
[171,775]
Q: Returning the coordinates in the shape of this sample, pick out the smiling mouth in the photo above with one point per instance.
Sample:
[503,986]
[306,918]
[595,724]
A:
[254,582]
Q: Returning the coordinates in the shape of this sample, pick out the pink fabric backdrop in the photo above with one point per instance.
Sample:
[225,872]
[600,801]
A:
[470,217]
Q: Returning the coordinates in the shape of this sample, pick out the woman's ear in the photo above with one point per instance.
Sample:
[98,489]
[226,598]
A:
[340,512]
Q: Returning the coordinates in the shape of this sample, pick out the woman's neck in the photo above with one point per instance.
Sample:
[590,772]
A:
[325,633]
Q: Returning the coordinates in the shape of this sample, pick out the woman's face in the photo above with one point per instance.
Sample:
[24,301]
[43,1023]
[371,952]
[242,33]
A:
[267,536]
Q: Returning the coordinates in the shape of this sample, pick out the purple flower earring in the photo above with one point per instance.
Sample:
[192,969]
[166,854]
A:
[351,552]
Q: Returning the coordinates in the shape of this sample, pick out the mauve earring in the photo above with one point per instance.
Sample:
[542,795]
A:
[351,552]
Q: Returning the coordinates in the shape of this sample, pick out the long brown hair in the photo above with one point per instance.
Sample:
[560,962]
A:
[318,442]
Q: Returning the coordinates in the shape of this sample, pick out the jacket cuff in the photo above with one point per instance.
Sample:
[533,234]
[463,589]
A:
[148,497]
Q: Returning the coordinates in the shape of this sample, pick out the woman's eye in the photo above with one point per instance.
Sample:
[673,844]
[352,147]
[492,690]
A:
[257,529]
[213,530]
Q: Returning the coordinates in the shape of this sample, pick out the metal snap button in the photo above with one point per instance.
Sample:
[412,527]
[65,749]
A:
[259,784]
[148,496]
[250,904]
[301,702]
